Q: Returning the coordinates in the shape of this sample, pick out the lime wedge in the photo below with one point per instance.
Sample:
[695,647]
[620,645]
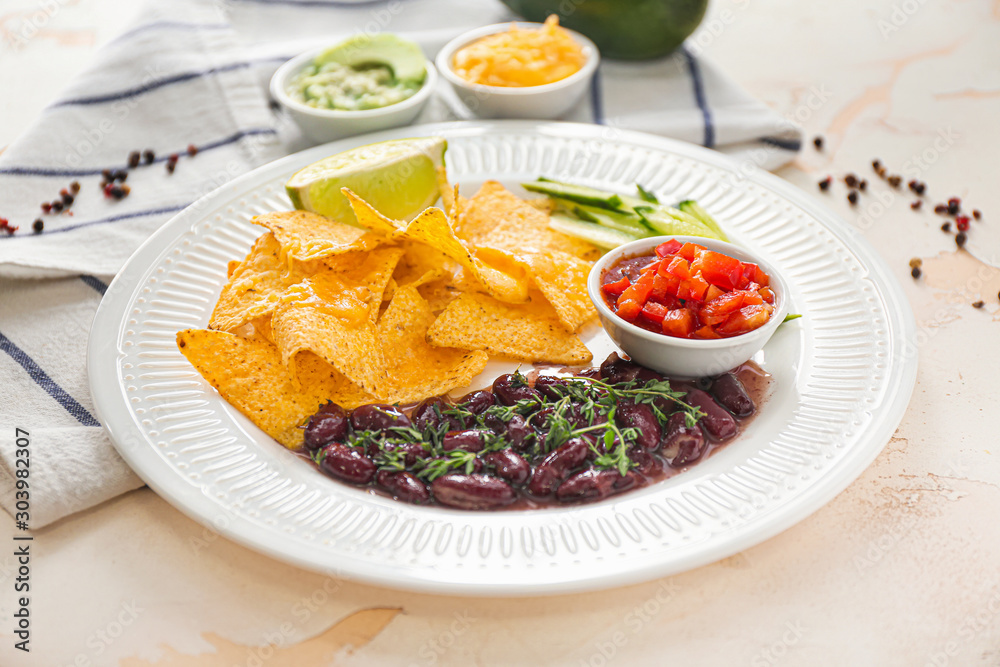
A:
[398,178]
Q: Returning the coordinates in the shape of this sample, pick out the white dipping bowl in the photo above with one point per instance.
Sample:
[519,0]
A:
[323,125]
[684,358]
[551,100]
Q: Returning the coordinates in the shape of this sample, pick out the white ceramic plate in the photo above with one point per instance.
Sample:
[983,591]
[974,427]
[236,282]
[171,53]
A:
[843,376]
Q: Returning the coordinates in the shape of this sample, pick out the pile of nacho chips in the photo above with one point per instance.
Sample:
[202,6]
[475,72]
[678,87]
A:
[390,311]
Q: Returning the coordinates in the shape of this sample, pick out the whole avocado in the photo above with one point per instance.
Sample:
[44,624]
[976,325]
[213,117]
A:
[625,29]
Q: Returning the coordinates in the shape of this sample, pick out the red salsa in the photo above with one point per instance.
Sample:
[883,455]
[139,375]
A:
[688,291]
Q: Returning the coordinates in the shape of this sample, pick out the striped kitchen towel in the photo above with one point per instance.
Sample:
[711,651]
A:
[190,80]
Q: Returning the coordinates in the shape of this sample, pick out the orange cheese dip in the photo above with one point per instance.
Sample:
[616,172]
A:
[521,58]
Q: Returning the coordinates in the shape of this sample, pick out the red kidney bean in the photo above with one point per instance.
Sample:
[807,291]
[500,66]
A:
[509,465]
[477,463]
[329,424]
[717,421]
[403,486]
[674,424]
[519,434]
[425,415]
[595,484]
[478,401]
[469,440]
[472,492]
[616,370]
[646,463]
[732,395]
[378,417]
[688,443]
[508,390]
[412,450]
[640,417]
[590,373]
[557,465]
[347,463]
[537,420]
[548,386]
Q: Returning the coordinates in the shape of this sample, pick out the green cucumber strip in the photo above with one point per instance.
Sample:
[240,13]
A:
[628,223]
[693,208]
[579,194]
[646,195]
[672,222]
[602,237]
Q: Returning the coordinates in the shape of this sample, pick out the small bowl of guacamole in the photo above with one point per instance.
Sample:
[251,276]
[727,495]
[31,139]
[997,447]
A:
[363,84]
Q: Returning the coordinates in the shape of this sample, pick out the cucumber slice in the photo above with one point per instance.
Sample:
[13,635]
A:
[629,223]
[578,194]
[646,195]
[672,222]
[693,208]
[602,237]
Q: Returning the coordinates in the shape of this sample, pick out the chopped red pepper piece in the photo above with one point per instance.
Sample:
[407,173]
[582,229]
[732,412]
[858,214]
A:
[617,287]
[632,299]
[668,248]
[654,312]
[679,323]
[678,267]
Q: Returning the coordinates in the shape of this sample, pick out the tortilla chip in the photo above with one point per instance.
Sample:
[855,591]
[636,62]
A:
[372,270]
[231,267]
[432,227]
[256,285]
[417,369]
[438,294]
[249,374]
[528,332]
[498,218]
[333,320]
[308,236]
[371,219]
[562,278]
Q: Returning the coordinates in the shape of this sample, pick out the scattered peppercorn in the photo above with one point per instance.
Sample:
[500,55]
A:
[960,239]
[818,142]
[74,187]
[978,304]
[171,166]
[894,180]
[852,197]
[120,175]
[954,206]
[946,227]
[133,159]
[962,222]
[193,150]
[915,272]
[862,185]
[876,164]
[46,207]
[125,190]
[918,187]
[106,174]
[825,183]
[5,226]
[851,180]
[57,206]
[942,209]
[977,214]
[915,262]
[38,225]
[67,198]
[116,191]
[148,156]
[881,172]
[917,204]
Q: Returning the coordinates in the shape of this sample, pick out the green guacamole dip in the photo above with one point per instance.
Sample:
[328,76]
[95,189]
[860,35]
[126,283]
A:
[334,85]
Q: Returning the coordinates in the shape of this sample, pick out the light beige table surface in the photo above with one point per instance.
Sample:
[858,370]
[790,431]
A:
[903,568]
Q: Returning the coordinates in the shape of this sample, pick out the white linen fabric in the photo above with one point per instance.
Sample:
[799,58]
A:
[195,73]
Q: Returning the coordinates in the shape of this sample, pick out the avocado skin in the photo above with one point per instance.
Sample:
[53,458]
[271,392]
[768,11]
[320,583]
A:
[623,29]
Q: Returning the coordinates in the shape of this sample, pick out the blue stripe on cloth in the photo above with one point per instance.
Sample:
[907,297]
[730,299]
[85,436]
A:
[699,96]
[171,25]
[99,285]
[101,221]
[41,171]
[793,145]
[43,380]
[596,101]
[152,85]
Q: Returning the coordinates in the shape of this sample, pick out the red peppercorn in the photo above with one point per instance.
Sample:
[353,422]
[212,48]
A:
[916,205]
[107,189]
[962,222]
[977,214]
[192,150]
[46,207]
[74,187]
